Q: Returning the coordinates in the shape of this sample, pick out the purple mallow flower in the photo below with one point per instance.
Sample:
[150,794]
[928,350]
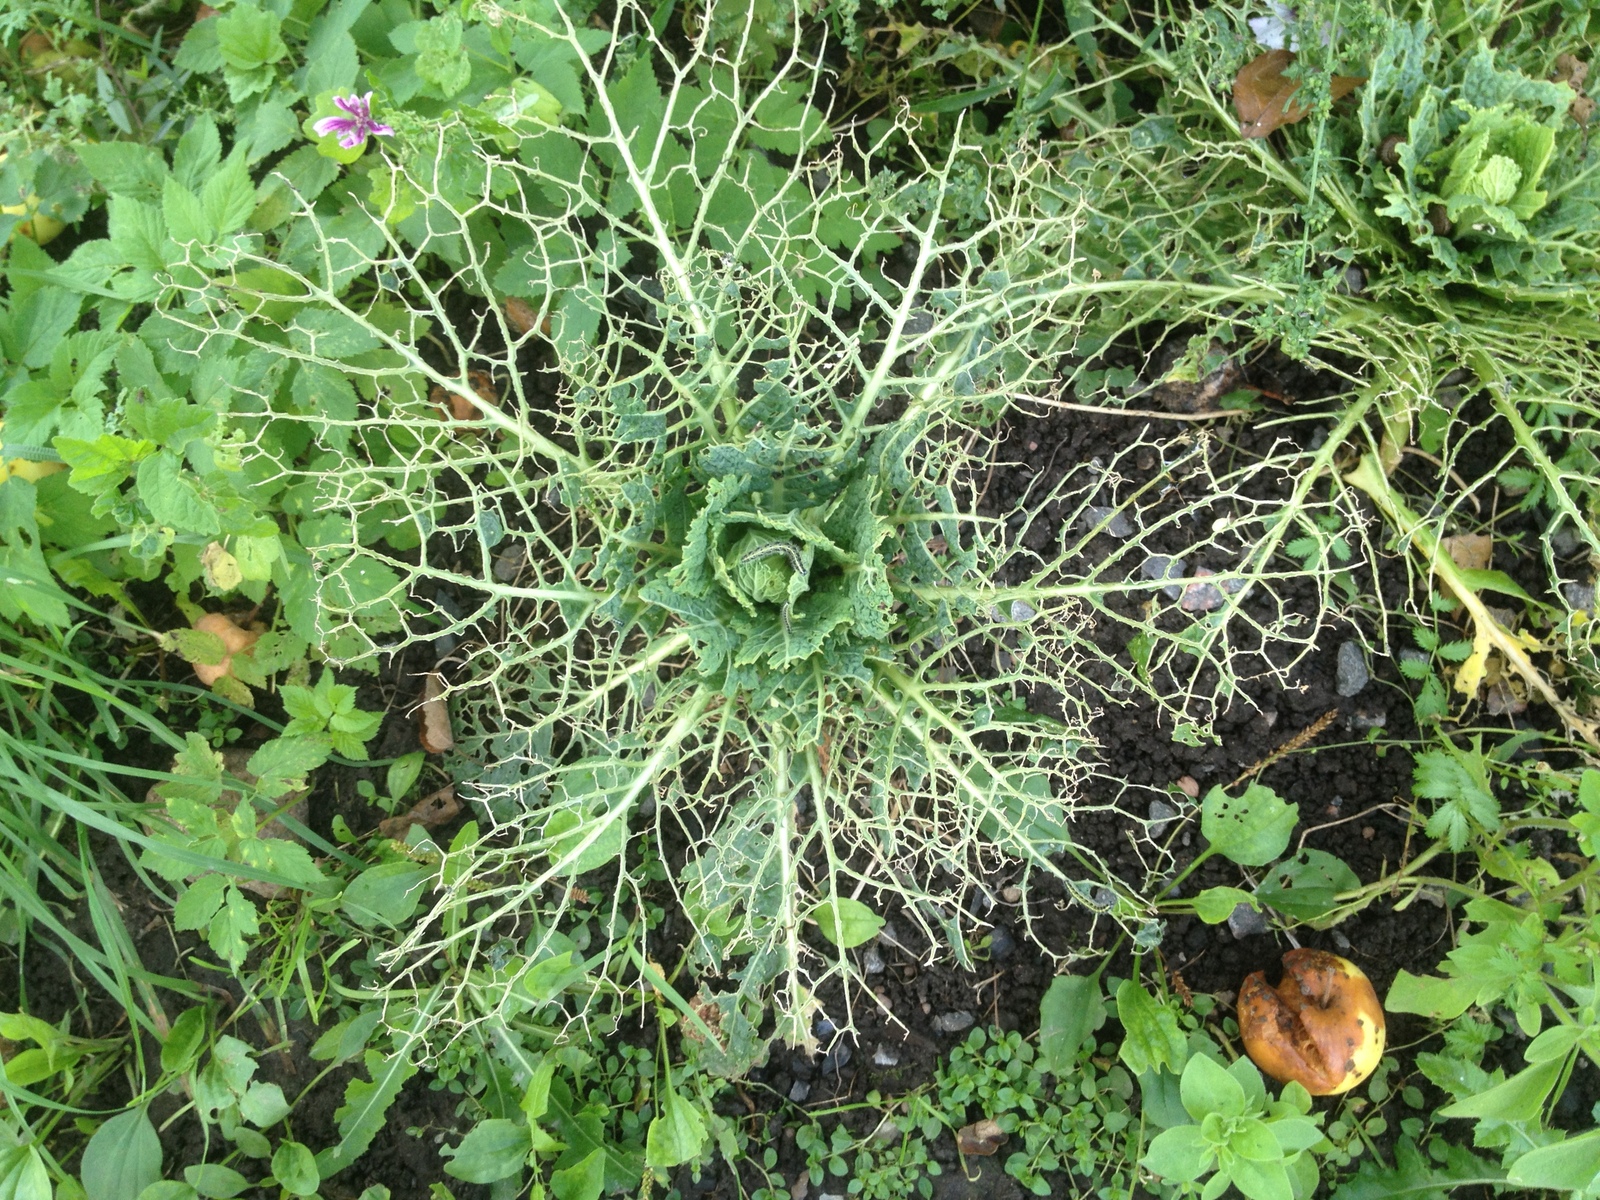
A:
[354,128]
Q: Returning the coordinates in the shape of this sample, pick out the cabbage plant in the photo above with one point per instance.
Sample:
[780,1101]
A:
[671,405]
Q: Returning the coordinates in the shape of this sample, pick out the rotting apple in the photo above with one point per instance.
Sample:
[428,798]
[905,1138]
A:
[1322,1026]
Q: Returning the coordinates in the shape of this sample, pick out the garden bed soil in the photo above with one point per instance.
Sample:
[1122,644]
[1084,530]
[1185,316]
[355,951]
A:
[1352,789]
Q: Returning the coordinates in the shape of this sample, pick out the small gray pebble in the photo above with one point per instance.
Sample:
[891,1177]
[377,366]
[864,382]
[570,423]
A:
[1161,817]
[826,1028]
[1564,542]
[1351,669]
[1001,943]
[1021,611]
[953,1022]
[1375,719]
[838,1058]
[508,563]
[885,1057]
[1579,595]
[1411,655]
[1115,521]
[1201,597]
[799,1091]
[1159,566]
[1245,921]
[872,961]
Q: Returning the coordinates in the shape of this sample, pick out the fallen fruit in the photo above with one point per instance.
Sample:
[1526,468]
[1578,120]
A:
[24,468]
[234,641]
[1321,1027]
[40,227]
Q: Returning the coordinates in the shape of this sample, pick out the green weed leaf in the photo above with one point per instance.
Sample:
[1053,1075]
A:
[846,923]
[1181,1154]
[1519,1098]
[1567,1166]
[1206,1087]
[123,1157]
[583,1180]
[388,894]
[1443,998]
[1216,904]
[441,59]
[182,1048]
[494,1149]
[366,1103]
[1252,829]
[1305,887]
[173,499]
[215,1181]
[1072,1008]
[295,1169]
[1151,1036]
[677,1134]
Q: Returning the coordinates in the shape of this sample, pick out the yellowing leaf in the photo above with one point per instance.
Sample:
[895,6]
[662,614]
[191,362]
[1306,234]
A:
[1471,673]
[221,568]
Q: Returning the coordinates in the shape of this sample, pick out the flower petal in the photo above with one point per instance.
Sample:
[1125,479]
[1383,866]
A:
[334,125]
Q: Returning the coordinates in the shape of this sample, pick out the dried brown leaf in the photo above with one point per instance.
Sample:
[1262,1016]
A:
[1470,551]
[1263,95]
[461,408]
[433,714]
[430,812]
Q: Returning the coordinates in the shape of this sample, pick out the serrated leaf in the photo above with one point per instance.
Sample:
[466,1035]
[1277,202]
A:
[1151,1036]
[248,38]
[677,1133]
[229,197]
[186,221]
[441,59]
[173,499]
[366,1104]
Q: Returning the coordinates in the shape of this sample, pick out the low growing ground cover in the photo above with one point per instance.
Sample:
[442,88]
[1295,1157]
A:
[687,599]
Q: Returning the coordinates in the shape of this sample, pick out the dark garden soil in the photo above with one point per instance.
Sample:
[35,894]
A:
[1350,780]
[1348,770]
